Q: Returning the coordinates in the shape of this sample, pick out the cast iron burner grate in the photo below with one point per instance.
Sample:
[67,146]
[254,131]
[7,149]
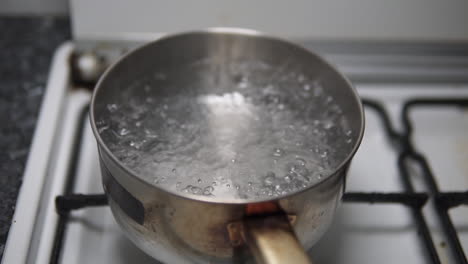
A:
[402,141]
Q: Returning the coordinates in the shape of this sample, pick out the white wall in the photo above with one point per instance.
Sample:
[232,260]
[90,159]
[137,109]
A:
[330,19]
[323,19]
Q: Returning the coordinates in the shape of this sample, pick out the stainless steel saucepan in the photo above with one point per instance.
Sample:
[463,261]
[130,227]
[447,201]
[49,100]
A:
[233,72]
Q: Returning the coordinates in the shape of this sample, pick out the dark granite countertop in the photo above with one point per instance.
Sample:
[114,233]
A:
[26,48]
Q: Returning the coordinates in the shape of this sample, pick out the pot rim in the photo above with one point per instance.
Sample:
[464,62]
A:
[210,199]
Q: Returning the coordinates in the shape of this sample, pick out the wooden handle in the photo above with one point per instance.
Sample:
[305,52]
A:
[271,240]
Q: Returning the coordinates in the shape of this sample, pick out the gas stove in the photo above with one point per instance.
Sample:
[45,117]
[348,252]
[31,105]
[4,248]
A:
[406,195]
[406,190]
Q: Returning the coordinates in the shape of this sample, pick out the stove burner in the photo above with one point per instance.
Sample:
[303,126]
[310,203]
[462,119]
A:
[403,143]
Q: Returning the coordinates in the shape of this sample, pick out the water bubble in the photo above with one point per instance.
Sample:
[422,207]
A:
[349,140]
[301,161]
[269,89]
[196,190]
[228,185]
[307,87]
[199,180]
[270,178]
[281,106]
[287,178]
[123,131]
[150,134]
[319,176]
[278,152]
[324,154]
[301,78]
[174,170]
[171,121]
[348,133]
[237,187]
[165,107]
[214,183]
[137,144]
[318,89]
[233,160]
[300,172]
[112,107]
[242,82]
[249,183]
[101,123]
[102,129]
[327,124]
[208,190]
[138,124]
[178,184]
[193,189]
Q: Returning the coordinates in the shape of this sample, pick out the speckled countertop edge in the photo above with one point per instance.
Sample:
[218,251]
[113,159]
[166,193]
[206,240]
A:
[27,45]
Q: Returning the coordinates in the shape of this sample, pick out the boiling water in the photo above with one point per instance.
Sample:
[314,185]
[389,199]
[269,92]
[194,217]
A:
[231,131]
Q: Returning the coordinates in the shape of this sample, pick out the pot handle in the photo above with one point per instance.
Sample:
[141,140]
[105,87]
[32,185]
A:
[272,240]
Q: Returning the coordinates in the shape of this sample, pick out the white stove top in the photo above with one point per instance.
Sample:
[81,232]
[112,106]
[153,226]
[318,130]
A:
[361,233]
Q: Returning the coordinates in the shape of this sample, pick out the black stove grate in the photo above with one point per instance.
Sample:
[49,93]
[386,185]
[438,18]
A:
[402,141]
[443,201]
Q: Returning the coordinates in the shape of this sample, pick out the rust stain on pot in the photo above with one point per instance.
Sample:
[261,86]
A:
[262,208]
